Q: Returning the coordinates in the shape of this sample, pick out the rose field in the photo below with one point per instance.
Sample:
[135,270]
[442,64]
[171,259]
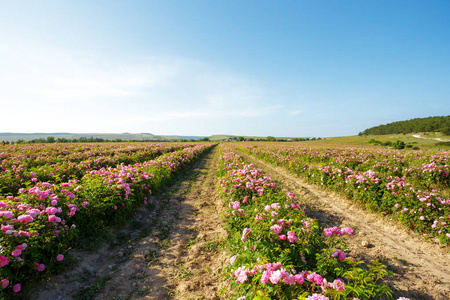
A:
[55,197]
[223,221]
[411,186]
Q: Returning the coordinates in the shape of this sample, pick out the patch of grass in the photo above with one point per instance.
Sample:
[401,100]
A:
[119,238]
[135,224]
[443,144]
[182,272]
[85,275]
[89,292]
[402,261]
[207,270]
[164,231]
[172,191]
[165,244]
[170,293]
[141,292]
[427,142]
[92,243]
[222,291]
[210,246]
[152,256]
[144,232]
[190,243]
[150,206]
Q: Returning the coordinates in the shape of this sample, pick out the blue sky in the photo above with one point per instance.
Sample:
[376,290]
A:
[280,68]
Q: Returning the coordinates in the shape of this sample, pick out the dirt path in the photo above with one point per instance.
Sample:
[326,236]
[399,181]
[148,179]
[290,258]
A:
[170,250]
[427,138]
[421,268]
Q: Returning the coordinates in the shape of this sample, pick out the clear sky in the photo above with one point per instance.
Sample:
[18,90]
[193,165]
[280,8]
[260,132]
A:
[280,68]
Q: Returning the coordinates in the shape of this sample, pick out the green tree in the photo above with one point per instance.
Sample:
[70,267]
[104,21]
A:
[398,145]
[62,140]
[445,130]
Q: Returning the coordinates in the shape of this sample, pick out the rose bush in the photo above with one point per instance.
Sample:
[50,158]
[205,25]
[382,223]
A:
[280,253]
[411,186]
[41,224]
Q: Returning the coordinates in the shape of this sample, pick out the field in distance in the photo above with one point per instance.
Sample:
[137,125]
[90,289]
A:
[424,140]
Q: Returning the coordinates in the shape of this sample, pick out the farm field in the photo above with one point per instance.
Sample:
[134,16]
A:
[222,150]
[420,265]
[203,231]
[54,199]
[410,186]
[424,140]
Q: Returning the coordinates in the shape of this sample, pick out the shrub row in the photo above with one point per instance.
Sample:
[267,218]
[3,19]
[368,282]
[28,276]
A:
[40,226]
[20,168]
[280,253]
[389,184]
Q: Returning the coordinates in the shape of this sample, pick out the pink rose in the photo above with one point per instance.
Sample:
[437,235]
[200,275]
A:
[265,276]
[299,279]
[4,261]
[16,252]
[276,229]
[4,283]
[291,237]
[275,276]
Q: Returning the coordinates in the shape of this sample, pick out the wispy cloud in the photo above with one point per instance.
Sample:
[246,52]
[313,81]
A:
[294,112]
[120,96]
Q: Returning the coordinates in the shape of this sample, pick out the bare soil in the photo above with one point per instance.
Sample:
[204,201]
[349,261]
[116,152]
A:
[421,266]
[172,248]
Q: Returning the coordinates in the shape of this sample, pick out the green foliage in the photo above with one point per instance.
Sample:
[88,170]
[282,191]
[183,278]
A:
[262,221]
[410,186]
[46,220]
[445,130]
[364,283]
[429,124]
[398,145]
[443,144]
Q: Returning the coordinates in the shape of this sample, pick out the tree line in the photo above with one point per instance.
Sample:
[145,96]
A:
[430,124]
[51,139]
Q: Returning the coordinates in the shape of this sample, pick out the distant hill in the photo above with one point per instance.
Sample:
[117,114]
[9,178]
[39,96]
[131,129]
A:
[429,124]
[13,137]
[220,137]
[185,137]
[65,137]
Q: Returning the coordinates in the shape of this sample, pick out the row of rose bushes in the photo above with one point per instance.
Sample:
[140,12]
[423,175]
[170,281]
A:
[61,168]
[378,184]
[425,169]
[280,253]
[33,155]
[41,225]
